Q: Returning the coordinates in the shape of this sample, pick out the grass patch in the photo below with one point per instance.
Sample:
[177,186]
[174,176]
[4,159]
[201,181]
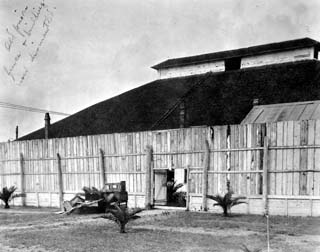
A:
[180,231]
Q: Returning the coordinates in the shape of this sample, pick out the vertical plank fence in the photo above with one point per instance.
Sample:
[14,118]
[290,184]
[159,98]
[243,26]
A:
[282,177]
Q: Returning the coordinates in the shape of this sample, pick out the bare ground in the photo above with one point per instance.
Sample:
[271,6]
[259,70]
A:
[40,230]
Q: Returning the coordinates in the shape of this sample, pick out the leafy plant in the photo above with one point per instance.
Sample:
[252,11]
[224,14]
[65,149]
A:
[122,215]
[226,201]
[7,194]
[92,193]
[172,190]
[180,198]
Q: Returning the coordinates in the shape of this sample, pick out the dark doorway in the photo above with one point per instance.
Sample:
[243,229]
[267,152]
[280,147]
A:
[174,196]
[316,53]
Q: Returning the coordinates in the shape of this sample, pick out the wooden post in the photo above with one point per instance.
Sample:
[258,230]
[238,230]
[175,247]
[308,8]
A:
[46,126]
[265,174]
[22,180]
[188,189]
[205,176]
[60,181]
[152,181]
[148,186]
[37,194]
[102,169]
[17,132]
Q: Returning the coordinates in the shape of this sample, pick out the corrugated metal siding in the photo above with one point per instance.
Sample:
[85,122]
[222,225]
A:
[295,111]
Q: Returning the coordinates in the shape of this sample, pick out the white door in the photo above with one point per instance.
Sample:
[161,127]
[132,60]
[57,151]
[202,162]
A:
[160,187]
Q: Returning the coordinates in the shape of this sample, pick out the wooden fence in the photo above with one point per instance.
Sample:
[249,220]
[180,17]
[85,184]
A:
[275,165]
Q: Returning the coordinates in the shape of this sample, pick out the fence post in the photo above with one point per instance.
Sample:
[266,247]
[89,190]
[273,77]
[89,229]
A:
[188,189]
[205,176]
[265,174]
[148,177]
[60,181]
[102,169]
[22,180]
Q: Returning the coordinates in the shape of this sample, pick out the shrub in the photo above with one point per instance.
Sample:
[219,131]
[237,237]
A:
[122,215]
[226,201]
[173,195]
[7,194]
[180,198]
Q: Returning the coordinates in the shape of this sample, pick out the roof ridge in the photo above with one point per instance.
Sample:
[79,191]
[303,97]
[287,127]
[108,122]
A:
[287,104]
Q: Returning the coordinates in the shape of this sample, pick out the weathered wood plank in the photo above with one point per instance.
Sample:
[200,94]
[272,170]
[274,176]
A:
[311,157]
[303,158]
[241,177]
[236,162]
[272,134]
[316,178]
[223,157]
[279,164]
[289,160]
[265,173]
[206,164]
[296,156]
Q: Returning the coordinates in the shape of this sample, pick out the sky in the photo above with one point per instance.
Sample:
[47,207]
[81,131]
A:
[65,56]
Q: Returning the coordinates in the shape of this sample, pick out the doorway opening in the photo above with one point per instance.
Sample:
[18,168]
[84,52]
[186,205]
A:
[169,188]
[232,63]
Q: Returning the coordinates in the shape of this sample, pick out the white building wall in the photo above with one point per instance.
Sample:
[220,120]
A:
[217,66]
[279,57]
[250,61]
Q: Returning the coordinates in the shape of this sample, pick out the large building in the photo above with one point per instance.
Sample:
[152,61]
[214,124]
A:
[209,89]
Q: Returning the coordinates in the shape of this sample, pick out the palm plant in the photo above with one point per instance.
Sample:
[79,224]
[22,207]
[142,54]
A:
[92,193]
[7,194]
[121,215]
[180,198]
[172,190]
[226,201]
[244,248]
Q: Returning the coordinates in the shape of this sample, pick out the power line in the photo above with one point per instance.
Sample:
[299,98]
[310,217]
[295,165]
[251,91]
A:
[29,109]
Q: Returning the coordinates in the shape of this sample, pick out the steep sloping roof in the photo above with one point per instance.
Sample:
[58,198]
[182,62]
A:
[220,98]
[253,50]
[294,111]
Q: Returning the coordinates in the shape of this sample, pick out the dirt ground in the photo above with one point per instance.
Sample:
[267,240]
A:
[158,230]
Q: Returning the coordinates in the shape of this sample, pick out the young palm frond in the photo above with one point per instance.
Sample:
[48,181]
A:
[7,194]
[122,215]
[226,201]
[172,190]
[244,248]
[92,193]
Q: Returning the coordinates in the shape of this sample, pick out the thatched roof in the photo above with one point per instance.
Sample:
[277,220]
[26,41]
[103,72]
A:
[220,98]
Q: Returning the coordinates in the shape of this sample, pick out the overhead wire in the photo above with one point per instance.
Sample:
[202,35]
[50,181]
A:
[30,109]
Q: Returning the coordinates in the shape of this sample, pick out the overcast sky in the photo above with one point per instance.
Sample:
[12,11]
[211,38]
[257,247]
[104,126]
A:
[67,55]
